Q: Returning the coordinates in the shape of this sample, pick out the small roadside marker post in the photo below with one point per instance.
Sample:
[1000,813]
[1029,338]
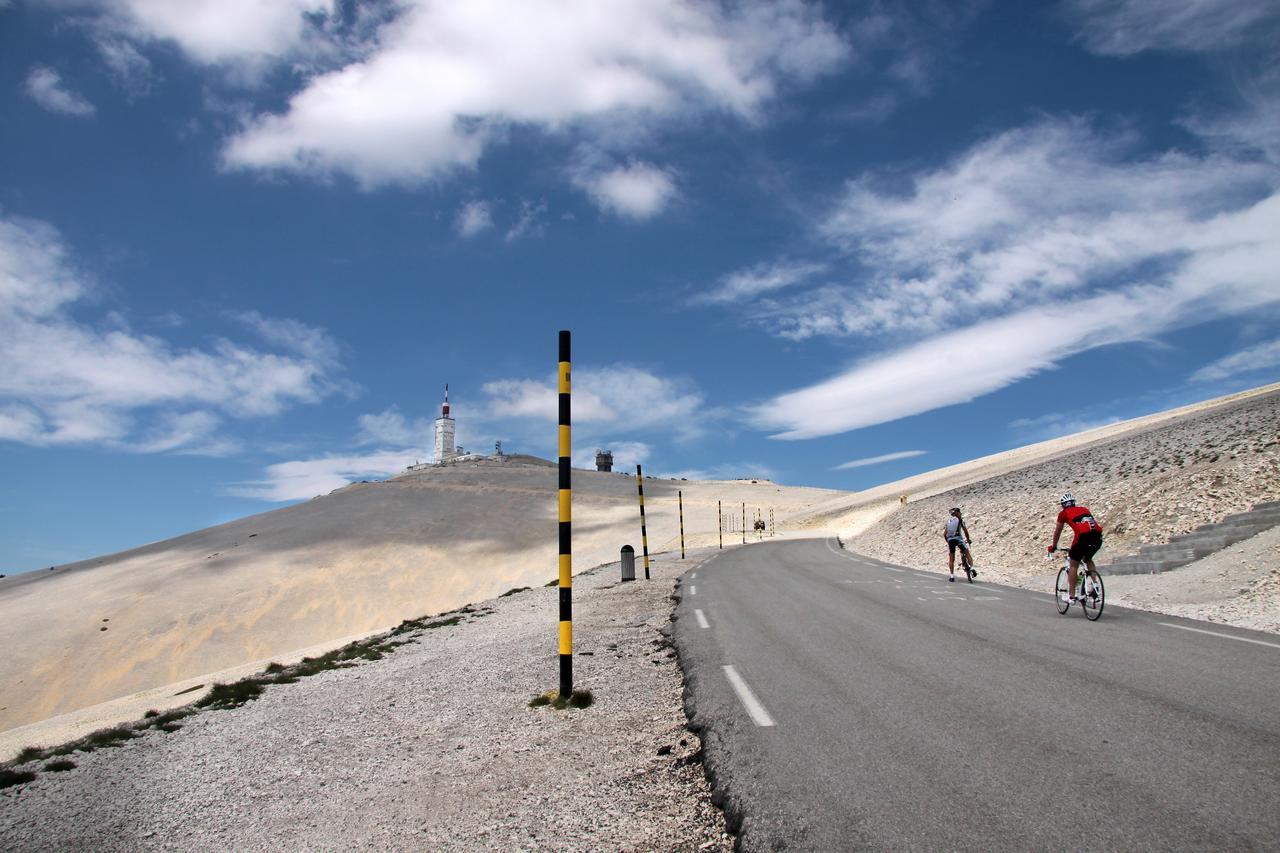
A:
[566,527]
[644,533]
[680,495]
[744,523]
[720,520]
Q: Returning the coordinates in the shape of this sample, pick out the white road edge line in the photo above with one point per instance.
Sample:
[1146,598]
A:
[693,577]
[1218,634]
[749,701]
[702,620]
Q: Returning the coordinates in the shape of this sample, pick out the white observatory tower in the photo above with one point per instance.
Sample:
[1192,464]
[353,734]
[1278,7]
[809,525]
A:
[445,449]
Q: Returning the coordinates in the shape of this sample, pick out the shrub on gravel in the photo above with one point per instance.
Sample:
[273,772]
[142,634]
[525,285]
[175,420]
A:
[9,778]
[31,753]
[516,589]
[59,765]
[104,738]
[578,699]
[223,697]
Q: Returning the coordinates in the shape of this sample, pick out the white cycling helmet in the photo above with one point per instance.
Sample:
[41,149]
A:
[1067,499]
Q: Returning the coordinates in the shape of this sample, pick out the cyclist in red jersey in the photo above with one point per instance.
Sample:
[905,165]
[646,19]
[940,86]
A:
[1088,538]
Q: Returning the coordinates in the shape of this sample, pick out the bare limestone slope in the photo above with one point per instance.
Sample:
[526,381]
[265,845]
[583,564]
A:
[318,573]
[1146,486]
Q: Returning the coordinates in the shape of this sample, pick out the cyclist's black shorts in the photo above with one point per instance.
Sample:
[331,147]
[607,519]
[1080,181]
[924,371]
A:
[955,542]
[1086,545]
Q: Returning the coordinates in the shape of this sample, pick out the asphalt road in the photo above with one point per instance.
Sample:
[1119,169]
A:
[878,707]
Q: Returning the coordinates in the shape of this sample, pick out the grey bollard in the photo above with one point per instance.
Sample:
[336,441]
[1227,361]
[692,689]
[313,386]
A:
[628,563]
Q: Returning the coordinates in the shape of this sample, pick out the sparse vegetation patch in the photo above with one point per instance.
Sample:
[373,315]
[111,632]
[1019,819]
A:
[222,697]
[9,778]
[578,699]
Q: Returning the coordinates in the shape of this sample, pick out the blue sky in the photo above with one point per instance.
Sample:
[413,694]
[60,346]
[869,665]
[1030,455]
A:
[244,243]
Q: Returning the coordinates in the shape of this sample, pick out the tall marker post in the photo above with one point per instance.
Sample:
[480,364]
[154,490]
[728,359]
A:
[744,524]
[566,528]
[680,495]
[644,533]
[720,518]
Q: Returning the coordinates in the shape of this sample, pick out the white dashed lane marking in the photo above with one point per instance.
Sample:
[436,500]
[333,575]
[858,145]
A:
[693,590]
[748,699]
[702,620]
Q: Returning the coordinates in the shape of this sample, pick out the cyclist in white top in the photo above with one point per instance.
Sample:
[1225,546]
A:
[956,535]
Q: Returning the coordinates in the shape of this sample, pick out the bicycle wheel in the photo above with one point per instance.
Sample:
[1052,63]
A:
[968,567]
[1062,592]
[1095,595]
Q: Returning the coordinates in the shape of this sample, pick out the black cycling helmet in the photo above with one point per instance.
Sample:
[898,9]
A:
[955,510]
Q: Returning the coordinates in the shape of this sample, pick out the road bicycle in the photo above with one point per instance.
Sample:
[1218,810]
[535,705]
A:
[1091,594]
[966,562]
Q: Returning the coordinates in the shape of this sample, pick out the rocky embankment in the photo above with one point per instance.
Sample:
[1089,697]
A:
[1145,488]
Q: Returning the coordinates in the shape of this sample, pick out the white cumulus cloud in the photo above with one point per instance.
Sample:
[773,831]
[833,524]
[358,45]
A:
[44,86]
[614,400]
[307,478]
[441,80]
[67,380]
[635,191]
[210,31]
[473,218]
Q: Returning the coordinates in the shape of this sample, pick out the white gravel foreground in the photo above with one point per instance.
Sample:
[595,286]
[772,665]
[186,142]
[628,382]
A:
[431,747]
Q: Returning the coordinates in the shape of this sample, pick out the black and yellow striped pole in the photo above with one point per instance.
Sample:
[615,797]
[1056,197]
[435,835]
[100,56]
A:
[744,523]
[680,495]
[644,533]
[720,518]
[566,528]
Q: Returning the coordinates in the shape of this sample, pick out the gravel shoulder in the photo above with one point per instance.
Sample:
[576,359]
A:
[431,747]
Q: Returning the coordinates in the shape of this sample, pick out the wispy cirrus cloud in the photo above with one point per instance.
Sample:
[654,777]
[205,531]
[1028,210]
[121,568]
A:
[1014,221]
[985,259]
[1254,359]
[763,278]
[71,381]
[530,221]
[877,460]
[1057,424]
[1125,27]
